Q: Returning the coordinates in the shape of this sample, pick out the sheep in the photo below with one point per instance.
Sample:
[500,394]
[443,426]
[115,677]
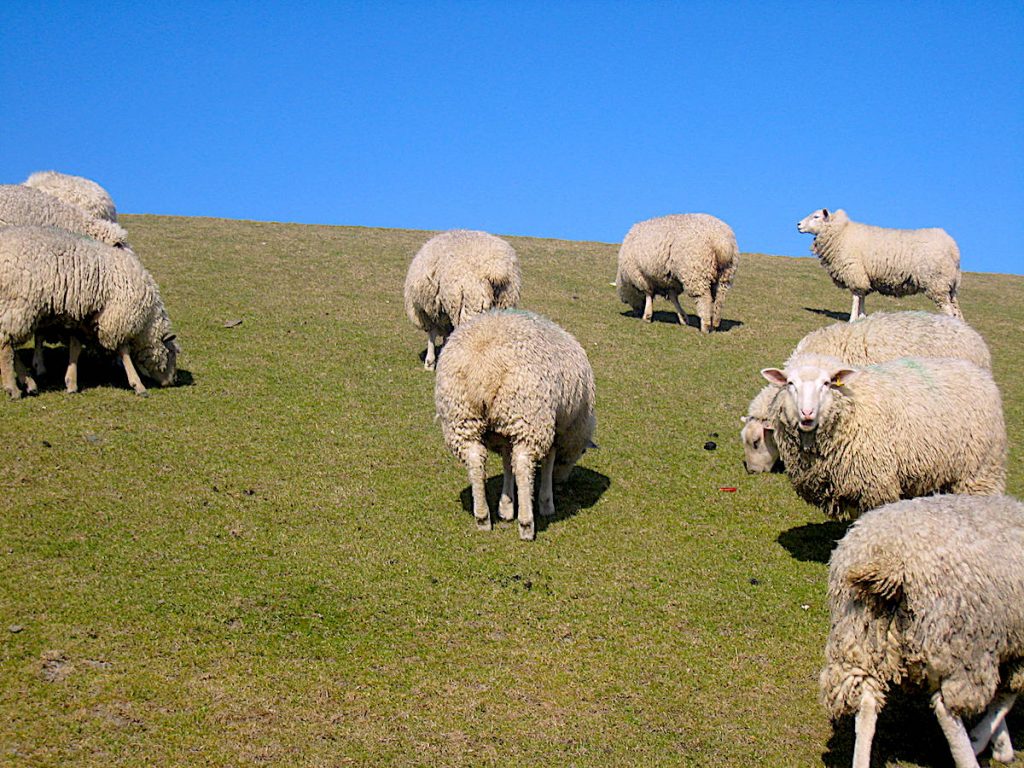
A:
[50,275]
[882,336]
[85,193]
[24,205]
[929,592]
[516,383]
[456,275]
[854,438]
[895,262]
[691,252]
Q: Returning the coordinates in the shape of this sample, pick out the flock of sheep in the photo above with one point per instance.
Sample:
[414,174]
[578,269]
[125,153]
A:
[893,418]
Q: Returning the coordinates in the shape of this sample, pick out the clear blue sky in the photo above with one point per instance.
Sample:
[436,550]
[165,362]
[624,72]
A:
[555,119]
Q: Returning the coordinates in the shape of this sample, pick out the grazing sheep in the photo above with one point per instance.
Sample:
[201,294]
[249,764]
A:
[930,592]
[515,383]
[77,190]
[48,275]
[882,336]
[895,262]
[21,205]
[690,252]
[854,438]
[456,275]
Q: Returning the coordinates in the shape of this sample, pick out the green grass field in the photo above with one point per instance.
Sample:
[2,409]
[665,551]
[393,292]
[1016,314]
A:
[274,563]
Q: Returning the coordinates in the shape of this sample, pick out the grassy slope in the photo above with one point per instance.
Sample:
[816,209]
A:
[276,564]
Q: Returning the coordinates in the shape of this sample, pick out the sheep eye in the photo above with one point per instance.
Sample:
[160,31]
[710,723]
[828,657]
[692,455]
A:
[757,443]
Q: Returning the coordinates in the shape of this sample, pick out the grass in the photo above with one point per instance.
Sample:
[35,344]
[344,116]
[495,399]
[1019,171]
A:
[275,562]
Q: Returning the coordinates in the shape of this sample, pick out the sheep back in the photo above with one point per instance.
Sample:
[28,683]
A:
[77,190]
[21,205]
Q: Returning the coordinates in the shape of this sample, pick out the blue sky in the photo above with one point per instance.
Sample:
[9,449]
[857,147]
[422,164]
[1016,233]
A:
[566,119]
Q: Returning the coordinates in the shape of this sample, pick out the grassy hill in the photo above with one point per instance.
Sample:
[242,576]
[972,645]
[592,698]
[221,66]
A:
[275,562]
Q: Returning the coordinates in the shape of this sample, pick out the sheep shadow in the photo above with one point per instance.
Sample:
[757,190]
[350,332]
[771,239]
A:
[907,732]
[692,321]
[96,368]
[842,316]
[581,491]
[813,542]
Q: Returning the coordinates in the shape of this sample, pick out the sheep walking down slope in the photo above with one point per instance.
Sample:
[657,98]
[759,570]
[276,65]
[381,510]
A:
[455,276]
[50,276]
[691,253]
[930,592]
[515,383]
[894,262]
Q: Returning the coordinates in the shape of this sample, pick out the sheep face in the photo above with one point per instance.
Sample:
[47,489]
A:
[160,362]
[759,449]
[808,393]
[814,223]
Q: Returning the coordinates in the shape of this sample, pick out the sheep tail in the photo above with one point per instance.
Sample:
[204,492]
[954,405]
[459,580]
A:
[881,578]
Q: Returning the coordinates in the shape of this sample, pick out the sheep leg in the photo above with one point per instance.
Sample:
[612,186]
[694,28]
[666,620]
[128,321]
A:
[953,728]
[507,504]
[648,308]
[71,375]
[23,376]
[433,340]
[857,310]
[705,308]
[988,726]
[7,374]
[674,298]
[129,369]
[38,363]
[545,494]
[717,295]
[864,727]
[1002,747]
[476,460]
[522,466]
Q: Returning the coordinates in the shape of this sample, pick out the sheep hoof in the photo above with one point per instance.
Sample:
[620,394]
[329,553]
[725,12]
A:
[72,390]
[646,318]
[428,366]
[1002,756]
[483,523]
[506,510]
[527,532]
[142,393]
[546,507]
[14,393]
[31,388]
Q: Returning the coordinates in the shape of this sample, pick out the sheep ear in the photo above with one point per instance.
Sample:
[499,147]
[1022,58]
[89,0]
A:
[775,376]
[844,376]
[591,445]
[824,212]
[168,338]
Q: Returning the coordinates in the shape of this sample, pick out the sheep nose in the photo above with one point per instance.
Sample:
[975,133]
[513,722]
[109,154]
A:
[806,414]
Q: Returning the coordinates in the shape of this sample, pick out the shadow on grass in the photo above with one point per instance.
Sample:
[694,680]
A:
[692,321]
[907,733]
[843,316]
[581,491]
[813,542]
[96,368]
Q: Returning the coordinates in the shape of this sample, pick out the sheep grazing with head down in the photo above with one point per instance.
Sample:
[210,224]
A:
[853,438]
[862,259]
[49,275]
[515,383]
[455,276]
[872,339]
[930,593]
[691,253]
[77,190]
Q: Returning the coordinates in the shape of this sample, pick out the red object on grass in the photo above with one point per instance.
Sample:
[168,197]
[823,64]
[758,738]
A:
[727,489]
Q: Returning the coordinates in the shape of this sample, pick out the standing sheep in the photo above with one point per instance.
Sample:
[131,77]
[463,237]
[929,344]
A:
[871,339]
[515,383]
[689,252]
[855,438]
[21,205]
[49,275]
[895,262]
[930,592]
[77,190]
[456,275]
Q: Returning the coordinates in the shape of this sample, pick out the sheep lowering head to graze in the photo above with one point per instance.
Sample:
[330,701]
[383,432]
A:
[853,438]
[929,593]
[457,275]
[77,190]
[691,253]
[871,339]
[515,383]
[861,258]
[50,276]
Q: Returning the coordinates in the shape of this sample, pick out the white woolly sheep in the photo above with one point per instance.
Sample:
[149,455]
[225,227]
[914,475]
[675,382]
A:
[861,258]
[455,276]
[50,275]
[871,339]
[854,438]
[930,592]
[691,253]
[77,190]
[21,205]
[515,383]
